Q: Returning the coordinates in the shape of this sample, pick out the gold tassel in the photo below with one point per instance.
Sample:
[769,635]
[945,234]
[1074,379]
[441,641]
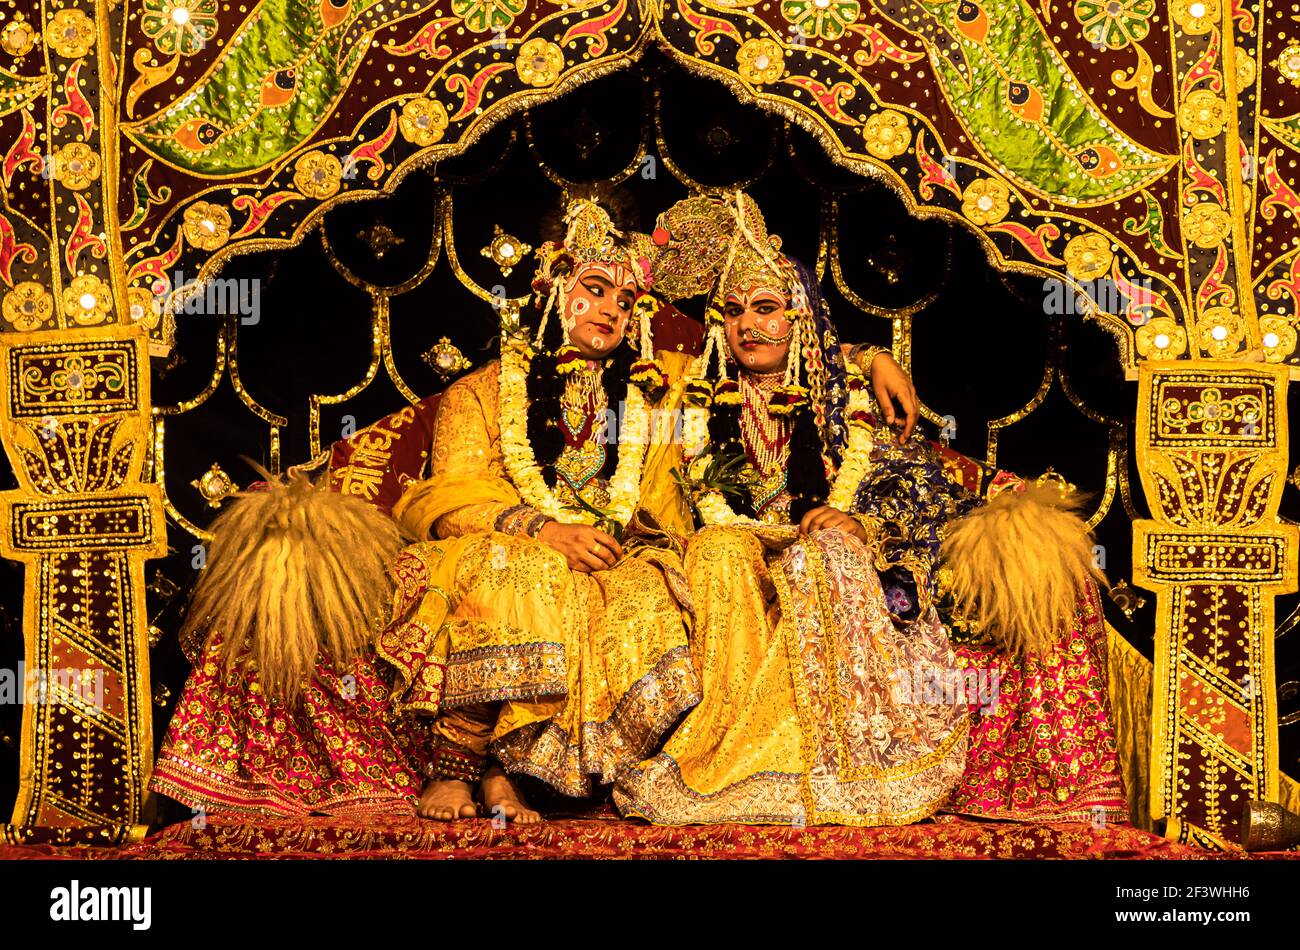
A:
[293,572]
[1018,565]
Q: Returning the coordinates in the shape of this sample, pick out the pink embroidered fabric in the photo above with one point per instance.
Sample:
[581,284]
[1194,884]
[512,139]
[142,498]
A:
[340,751]
[1044,748]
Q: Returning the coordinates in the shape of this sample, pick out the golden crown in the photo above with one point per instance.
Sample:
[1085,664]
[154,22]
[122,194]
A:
[716,243]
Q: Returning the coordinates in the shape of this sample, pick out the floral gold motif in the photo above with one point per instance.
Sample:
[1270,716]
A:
[1203,114]
[886,134]
[1288,63]
[1161,339]
[88,300]
[1245,70]
[143,306]
[206,225]
[179,26]
[76,165]
[1088,256]
[318,174]
[78,376]
[423,120]
[760,61]
[1195,16]
[1206,225]
[1114,24]
[70,33]
[986,201]
[18,36]
[1219,331]
[825,19]
[482,16]
[1279,338]
[28,306]
[539,63]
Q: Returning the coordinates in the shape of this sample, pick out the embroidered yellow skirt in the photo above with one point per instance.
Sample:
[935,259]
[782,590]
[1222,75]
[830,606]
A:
[803,718]
[589,670]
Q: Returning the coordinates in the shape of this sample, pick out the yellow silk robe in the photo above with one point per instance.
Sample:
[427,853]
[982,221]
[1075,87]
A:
[590,669]
[805,717]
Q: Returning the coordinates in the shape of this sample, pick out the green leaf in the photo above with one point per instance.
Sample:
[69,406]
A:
[1044,155]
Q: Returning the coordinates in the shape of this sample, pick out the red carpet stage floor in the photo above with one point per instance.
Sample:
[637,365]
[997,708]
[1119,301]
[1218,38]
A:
[607,837]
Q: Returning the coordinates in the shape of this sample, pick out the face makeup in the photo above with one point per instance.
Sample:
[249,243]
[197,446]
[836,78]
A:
[600,297]
[758,332]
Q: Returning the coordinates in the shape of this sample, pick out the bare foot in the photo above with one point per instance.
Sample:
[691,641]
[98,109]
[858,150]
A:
[447,801]
[500,797]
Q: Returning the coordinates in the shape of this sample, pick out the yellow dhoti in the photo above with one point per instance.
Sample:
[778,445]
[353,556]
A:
[804,717]
[563,675]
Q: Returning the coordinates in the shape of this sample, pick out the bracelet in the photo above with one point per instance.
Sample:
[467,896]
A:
[521,520]
[509,521]
[452,762]
[536,523]
[870,524]
[864,356]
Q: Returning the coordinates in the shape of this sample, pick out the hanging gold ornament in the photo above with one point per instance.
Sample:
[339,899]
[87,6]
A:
[506,250]
[215,486]
[446,359]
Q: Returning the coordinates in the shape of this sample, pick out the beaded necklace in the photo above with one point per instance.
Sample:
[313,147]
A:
[767,442]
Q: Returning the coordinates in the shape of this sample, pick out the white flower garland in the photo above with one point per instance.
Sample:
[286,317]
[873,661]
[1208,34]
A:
[713,506]
[526,474]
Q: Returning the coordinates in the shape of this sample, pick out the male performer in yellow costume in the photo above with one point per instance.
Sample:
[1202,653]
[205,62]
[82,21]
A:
[559,646]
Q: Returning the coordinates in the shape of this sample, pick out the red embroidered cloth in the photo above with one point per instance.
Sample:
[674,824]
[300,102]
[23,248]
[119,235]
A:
[1044,748]
[341,750]
[607,837]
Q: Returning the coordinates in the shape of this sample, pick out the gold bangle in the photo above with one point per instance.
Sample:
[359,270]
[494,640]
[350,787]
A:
[864,356]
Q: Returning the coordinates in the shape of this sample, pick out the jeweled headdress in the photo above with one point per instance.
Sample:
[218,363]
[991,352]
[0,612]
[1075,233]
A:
[591,235]
[714,245]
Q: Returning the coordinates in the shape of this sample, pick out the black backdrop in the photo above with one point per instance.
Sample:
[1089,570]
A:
[980,348]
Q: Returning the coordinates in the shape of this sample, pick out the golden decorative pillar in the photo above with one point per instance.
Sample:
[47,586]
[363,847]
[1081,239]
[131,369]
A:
[74,420]
[1212,453]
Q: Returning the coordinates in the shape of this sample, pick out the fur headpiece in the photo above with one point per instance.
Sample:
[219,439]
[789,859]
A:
[295,574]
